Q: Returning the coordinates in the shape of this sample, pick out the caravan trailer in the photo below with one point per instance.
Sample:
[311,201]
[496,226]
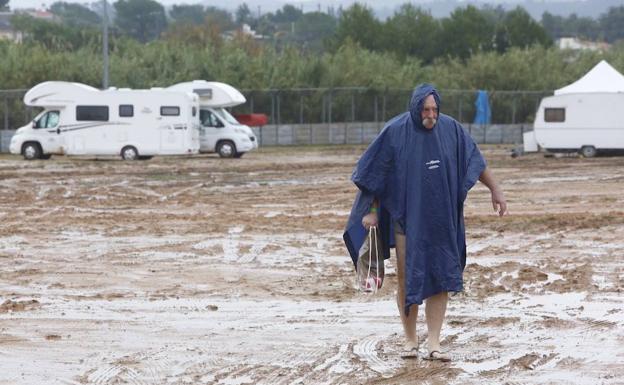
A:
[585,116]
[81,120]
[583,122]
[220,132]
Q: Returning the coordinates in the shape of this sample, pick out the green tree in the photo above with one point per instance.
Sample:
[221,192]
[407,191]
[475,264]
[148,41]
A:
[466,32]
[243,15]
[287,14]
[522,31]
[313,29]
[612,24]
[191,14]
[143,20]
[412,31]
[53,35]
[75,15]
[572,26]
[358,23]
[219,18]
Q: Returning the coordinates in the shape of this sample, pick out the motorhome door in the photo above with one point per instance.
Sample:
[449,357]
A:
[211,127]
[172,132]
[48,127]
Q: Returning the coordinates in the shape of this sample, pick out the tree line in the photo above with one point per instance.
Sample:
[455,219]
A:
[186,51]
[411,31]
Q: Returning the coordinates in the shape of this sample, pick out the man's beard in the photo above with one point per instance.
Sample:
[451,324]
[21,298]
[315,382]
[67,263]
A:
[429,122]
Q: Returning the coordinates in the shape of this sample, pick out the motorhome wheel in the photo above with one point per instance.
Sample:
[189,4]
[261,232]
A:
[588,151]
[226,149]
[129,153]
[31,151]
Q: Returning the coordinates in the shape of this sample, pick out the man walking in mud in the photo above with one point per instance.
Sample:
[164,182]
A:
[413,180]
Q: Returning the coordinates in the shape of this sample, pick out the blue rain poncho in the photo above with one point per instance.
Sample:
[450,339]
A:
[421,178]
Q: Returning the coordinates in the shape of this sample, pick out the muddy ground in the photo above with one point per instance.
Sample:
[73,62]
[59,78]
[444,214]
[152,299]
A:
[200,270]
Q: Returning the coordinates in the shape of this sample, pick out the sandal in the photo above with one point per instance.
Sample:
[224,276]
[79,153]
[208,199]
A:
[436,355]
[410,352]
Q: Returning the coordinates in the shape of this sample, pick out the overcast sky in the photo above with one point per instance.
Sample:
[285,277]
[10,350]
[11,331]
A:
[275,3]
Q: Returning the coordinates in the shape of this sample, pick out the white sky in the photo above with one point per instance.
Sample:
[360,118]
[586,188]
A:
[232,4]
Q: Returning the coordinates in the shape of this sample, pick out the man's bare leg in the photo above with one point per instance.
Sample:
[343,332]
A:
[408,321]
[435,310]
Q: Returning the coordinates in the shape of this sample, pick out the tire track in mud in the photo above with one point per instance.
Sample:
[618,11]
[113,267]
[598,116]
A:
[428,373]
[144,368]
[366,351]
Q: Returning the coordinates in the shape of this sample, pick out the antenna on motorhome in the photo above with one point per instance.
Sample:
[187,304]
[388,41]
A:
[105,46]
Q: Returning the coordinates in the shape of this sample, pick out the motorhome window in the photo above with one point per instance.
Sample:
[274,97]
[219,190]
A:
[227,116]
[126,110]
[208,119]
[169,111]
[48,120]
[92,113]
[554,115]
[53,119]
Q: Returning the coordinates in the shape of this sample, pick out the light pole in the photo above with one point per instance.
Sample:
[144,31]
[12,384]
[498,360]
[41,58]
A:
[105,45]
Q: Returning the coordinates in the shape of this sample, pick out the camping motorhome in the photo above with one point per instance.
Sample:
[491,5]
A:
[220,132]
[586,116]
[81,120]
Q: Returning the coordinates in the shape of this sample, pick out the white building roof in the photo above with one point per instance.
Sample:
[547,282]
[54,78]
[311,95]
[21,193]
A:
[601,78]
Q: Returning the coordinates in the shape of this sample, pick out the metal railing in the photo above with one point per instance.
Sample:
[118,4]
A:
[341,104]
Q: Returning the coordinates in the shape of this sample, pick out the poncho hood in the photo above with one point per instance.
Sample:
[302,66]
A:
[418,99]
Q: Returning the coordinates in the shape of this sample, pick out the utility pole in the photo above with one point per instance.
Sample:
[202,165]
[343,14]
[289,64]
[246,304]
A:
[105,45]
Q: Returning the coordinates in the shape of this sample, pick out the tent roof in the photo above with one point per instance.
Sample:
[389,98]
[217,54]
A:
[601,78]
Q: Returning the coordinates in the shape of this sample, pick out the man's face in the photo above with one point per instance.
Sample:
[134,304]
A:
[429,112]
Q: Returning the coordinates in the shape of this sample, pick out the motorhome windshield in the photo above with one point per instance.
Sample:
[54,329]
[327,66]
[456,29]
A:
[225,115]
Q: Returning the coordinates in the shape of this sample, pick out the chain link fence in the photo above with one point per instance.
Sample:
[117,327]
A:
[358,104]
[339,115]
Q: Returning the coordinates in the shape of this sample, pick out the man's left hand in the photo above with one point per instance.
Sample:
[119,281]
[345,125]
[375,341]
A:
[499,203]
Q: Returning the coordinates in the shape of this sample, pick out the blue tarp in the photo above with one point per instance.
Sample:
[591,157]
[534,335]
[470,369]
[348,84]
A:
[421,178]
[484,114]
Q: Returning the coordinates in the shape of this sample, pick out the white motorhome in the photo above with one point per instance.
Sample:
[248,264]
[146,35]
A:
[81,120]
[220,132]
[587,123]
[586,116]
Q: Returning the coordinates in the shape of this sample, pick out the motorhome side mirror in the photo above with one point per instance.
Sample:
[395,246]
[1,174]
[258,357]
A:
[58,131]
[34,124]
[219,124]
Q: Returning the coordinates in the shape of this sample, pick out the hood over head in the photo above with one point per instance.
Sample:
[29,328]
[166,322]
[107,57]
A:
[418,99]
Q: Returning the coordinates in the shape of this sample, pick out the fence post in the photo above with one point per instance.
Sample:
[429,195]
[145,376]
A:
[6,113]
[279,109]
[301,108]
[329,118]
[273,108]
[460,115]
[260,129]
[375,108]
[513,110]
[383,107]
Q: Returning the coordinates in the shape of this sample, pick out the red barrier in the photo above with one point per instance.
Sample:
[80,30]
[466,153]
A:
[252,120]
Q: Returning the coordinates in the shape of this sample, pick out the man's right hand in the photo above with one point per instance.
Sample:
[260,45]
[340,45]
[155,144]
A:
[369,220]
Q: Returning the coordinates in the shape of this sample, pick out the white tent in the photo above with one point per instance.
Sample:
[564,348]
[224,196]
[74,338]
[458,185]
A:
[601,78]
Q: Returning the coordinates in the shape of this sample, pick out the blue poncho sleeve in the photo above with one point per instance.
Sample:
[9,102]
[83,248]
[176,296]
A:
[371,175]
[372,171]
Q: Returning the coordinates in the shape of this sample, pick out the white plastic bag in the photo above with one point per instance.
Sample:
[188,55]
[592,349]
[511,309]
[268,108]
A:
[370,264]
